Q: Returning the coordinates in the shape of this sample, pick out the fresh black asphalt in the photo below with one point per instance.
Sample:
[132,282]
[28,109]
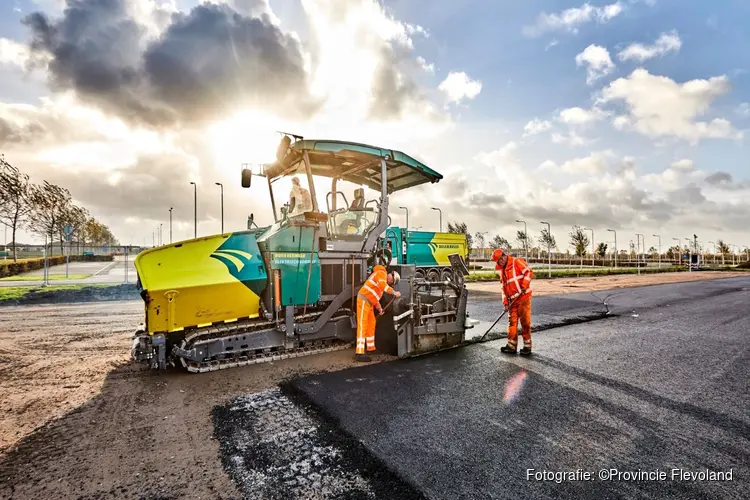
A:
[659,382]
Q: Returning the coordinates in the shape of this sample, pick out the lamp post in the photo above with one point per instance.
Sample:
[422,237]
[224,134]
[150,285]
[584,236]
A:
[658,236]
[525,241]
[593,248]
[441,218]
[615,232]
[679,255]
[161,241]
[170,224]
[222,205]
[714,251]
[407,218]
[637,260]
[482,233]
[549,249]
[690,255]
[195,208]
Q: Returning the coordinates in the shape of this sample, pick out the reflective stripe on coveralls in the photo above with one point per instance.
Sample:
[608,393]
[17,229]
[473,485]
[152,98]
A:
[521,310]
[514,277]
[365,325]
[367,300]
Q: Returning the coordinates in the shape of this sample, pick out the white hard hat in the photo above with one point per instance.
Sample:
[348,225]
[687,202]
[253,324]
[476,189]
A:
[396,277]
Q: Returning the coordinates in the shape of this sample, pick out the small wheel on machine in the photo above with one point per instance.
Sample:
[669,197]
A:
[446,275]
[433,275]
[419,274]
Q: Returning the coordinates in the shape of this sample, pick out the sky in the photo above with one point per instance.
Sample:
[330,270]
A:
[632,115]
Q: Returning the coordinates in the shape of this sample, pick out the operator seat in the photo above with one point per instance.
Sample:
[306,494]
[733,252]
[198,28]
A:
[358,203]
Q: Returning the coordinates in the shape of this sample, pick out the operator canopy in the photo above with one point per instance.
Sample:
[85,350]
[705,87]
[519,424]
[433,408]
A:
[351,162]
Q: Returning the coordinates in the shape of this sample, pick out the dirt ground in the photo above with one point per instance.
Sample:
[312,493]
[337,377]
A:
[79,421]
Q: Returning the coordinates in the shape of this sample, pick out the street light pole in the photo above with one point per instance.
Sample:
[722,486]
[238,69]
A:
[714,251]
[679,255]
[615,245]
[441,218]
[637,260]
[690,255]
[659,249]
[482,233]
[407,218]
[525,241]
[195,208]
[593,248]
[549,249]
[222,205]
[170,224]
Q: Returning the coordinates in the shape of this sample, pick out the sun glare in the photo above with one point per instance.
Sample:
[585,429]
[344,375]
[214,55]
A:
[247,137]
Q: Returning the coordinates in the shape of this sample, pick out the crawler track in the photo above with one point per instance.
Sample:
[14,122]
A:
[249,357]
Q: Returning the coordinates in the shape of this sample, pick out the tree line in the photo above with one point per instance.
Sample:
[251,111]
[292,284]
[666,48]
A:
[579,241]
[46,209]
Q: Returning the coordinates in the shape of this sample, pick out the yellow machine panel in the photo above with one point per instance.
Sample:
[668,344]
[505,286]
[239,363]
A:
[201,281]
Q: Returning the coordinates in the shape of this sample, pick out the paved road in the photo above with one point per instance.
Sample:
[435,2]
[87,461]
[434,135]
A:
[661,385]
[101,273]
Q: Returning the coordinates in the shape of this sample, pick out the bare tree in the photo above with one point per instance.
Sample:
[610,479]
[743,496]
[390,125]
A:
[547,240]
[579,240]
[480,240]
[15,205]
[50,204]
[500,242]
[460,228]
[601,250]
[524,239]
[75,217]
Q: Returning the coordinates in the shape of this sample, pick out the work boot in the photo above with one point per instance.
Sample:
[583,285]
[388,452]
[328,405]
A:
[525,351]
[363,358]
[508,350]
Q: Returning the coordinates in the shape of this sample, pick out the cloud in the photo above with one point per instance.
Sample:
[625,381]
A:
[570,19]
[380,50]
[683,165]
[536,126]
[430,68]
[597,61]
[724,180]
[667,42]
[201,65]
[458,86]
[743,109]
[13,53]
[580,116]
[595,163]
[657,106]
[571,139]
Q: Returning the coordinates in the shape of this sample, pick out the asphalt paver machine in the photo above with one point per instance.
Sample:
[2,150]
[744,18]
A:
[290,289]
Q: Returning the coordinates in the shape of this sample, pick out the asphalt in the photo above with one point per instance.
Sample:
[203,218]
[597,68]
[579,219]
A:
[658,385]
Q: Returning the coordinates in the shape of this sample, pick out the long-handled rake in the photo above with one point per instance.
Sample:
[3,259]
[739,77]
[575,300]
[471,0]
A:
[499,318]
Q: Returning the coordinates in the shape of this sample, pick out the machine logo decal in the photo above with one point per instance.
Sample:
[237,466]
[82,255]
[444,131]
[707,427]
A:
[233,253]
[237,258]
[433,247]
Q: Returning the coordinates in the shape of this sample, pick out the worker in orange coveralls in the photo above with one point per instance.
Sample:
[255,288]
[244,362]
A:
[515,275]
[368,301]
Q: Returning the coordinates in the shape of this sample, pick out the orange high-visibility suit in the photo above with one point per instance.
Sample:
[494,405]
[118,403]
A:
[516,280]
[368,299]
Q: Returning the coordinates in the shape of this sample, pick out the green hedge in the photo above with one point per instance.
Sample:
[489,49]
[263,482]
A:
[10,268]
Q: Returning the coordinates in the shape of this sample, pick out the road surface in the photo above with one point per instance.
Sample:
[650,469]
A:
[660,386]
[665,387]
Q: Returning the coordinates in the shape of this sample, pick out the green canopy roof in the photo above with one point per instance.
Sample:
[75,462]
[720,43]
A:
[355,163]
